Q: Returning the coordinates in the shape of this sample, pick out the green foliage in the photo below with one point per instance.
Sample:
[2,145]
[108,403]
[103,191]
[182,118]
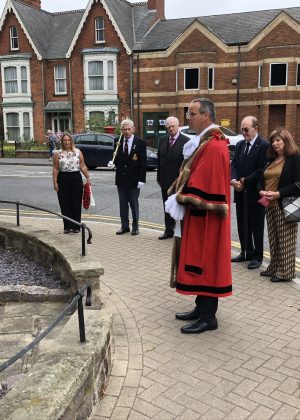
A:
[98,123]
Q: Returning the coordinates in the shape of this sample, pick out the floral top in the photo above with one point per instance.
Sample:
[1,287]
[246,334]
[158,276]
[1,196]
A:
[68,161]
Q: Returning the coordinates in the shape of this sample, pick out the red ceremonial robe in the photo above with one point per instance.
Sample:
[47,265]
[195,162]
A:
[205,260]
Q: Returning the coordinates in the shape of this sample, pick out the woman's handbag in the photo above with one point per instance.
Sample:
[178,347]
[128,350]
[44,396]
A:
[87,198]
[291,208]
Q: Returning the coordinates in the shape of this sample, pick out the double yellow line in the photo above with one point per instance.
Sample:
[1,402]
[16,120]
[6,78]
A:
[104,218]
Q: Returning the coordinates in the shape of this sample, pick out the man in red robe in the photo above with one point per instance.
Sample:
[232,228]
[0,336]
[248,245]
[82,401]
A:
[204,265]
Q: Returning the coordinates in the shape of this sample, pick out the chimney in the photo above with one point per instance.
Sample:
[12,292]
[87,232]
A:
[159,7]
[33,3]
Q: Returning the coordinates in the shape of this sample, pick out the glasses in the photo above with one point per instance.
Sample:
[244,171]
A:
[193,114]
[245,130]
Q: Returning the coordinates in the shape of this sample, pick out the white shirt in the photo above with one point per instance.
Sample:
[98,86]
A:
[192,144]
[130,140]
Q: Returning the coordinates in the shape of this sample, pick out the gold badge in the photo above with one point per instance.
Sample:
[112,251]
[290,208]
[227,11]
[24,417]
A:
[134,157]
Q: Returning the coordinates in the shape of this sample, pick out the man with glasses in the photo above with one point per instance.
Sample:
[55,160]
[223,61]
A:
[246,167]
[204,190]
[170,158]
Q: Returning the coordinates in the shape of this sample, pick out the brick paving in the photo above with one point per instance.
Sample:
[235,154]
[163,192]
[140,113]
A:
[247,369]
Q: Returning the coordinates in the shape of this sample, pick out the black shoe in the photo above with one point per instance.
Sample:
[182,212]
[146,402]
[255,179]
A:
[265,274]
[239,258]
[135,232]
[75,230]
[122,231]
[66,231]
[200,326]
[166,235]
[276,279]
[254,264]
[188,316]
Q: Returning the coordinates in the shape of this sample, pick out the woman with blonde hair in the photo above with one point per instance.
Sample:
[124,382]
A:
[281,179]
[67,181]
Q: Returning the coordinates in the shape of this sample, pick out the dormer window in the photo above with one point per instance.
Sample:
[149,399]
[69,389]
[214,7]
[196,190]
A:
[99,30]
[14,40]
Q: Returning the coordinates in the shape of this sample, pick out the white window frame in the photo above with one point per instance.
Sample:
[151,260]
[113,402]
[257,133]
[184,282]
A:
[106,109]
[59,79]
[105,58]
[20,111]
[99,30]
[13,37]
[191,68]
[259,76]
[18,65]
[286,75]
[213,78]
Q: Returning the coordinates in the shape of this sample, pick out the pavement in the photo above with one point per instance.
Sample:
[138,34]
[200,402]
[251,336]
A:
[247,369]
[26,161]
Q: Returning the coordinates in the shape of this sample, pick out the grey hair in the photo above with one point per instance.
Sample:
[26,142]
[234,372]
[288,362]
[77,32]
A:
[171,118]
[206,106]
[127,121]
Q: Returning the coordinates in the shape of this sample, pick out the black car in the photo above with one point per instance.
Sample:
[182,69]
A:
[97,150]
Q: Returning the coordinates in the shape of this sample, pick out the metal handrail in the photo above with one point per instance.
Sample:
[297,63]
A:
[77,298]
[82,226]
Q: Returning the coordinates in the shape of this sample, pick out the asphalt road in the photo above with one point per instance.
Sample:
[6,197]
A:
[33,185]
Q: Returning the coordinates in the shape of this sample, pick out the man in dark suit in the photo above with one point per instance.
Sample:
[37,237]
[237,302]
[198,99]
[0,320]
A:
[246,167]
[170,158]
[131,168]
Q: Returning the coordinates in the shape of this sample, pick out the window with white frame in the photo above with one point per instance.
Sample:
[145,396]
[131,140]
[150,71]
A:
[210,78]
[14,40]
[10,79]
[110,75]
[95,75]
[60,76]
[278,74]
[191,79]
[99,30]
[13,126]
[26,126]
[260,83]
[24,88]
[96,114]
[15,79]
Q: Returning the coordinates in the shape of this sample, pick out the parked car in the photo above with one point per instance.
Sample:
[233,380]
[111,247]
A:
[97,150]
[231,135]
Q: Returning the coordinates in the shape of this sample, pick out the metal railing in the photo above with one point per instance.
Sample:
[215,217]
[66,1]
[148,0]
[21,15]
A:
[82,226]
[77,298]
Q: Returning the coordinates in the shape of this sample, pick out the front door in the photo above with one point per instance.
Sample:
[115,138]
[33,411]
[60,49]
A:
[154,127]
[61,123]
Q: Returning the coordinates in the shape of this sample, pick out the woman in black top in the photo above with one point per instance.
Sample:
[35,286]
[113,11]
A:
[280,178]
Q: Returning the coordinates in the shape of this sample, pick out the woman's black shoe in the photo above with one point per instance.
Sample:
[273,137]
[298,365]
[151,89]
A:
[66,231]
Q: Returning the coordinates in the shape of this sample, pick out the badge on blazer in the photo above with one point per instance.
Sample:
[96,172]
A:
[134,157]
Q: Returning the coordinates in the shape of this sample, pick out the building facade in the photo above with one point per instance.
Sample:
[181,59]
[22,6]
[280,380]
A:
[119,59]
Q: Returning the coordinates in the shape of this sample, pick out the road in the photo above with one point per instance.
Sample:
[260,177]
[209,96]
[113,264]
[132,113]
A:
[33,185]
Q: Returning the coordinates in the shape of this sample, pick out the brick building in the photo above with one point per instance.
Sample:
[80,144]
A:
[124,59]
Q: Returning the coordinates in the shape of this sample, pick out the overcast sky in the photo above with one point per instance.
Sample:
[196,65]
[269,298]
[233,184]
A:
[183,8]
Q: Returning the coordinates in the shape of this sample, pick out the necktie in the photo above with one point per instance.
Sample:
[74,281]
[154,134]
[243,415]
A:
[171,141]
[126,149]
[246,150]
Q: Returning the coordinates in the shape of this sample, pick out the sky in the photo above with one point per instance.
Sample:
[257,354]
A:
[182,8]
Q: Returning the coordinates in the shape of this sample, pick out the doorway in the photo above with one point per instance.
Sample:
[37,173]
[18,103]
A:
[154,127]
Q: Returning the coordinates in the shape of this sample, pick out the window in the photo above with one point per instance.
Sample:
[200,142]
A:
[96,114]
[210,78]
[26,126]
[85,139]
[10,80]
[99,30]
[260,84]
[12,126]
[14,40]
[298,75]
[105,140]
[24,79]
[95,73]
[110,75]
[278,74]
[112,117]
[60,76]
[191,79]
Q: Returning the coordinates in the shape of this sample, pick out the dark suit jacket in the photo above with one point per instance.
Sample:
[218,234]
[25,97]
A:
[133,169]
[249,168]
[289,176]
[169,160]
